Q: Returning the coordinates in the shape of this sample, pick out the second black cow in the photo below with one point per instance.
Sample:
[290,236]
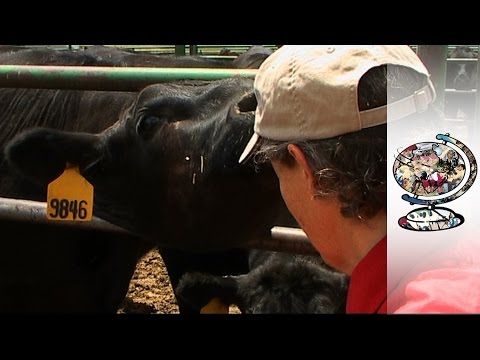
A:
[277,283]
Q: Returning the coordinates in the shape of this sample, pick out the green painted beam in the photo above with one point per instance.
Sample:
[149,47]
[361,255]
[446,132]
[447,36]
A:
[106,78]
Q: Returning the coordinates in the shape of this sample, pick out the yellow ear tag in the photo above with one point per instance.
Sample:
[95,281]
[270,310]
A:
[215,306]
[70,197]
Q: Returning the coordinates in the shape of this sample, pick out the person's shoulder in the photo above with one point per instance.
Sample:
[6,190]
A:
[448,290]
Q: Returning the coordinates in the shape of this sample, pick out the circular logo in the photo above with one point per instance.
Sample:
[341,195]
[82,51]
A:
[434,173]
[429,169]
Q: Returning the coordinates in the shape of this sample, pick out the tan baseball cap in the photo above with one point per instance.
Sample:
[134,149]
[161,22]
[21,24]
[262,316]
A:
[307,92]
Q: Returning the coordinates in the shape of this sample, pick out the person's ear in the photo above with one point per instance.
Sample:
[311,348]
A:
[300,159]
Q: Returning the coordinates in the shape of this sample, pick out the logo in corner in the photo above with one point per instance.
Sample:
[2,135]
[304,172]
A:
[434,173]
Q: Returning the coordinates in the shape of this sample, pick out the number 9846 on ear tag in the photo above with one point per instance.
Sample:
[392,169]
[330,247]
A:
[70,197]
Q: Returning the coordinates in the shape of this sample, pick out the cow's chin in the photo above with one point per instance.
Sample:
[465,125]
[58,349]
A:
[198,237]
[117,214]
[193,245]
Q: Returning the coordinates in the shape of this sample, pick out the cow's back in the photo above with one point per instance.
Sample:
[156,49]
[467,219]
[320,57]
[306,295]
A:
[103,56]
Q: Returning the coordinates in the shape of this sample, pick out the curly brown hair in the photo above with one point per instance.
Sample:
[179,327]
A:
[353,166]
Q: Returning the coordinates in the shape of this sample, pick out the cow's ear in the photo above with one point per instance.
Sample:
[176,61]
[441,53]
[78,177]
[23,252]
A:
[41,154]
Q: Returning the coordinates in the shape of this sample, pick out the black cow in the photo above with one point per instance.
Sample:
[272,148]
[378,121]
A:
[102,56]
[252,58]
[105,56]
[277,283]
[176,149]
[167,170]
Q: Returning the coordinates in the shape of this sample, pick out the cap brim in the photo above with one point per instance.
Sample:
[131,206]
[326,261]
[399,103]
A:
[249,148]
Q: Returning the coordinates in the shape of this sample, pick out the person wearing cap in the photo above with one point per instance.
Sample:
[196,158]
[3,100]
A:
[321,122]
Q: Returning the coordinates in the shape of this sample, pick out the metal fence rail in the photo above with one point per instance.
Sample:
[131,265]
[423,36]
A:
[202,50]
[106,78]
[282,238]
[36,212]
[206,50]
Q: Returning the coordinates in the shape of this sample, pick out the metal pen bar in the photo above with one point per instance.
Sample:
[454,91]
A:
[106,78]
[36,212]
[476,127]
[435,59]
[461,60]
[282,238]
[285,239]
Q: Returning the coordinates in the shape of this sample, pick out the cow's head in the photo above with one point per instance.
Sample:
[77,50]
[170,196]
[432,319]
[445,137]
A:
[168,169]
[283,284]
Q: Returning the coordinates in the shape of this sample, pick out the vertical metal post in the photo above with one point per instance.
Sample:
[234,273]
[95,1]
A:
[476,124]
[180,50]
[193,49]
[435,59]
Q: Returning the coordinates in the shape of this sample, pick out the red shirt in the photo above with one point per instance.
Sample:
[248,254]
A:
[443,281]
[367,292]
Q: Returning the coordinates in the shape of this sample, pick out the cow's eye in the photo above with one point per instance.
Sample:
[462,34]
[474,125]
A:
[147,124]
